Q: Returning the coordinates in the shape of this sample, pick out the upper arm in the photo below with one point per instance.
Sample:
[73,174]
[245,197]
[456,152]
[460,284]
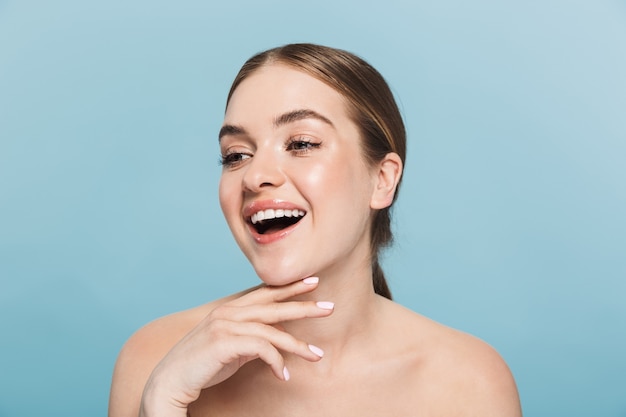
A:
[467,377]
[489,388]
[132,369]
[138,358]
[142,353]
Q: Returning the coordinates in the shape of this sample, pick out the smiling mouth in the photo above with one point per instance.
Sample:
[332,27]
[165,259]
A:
[274,220]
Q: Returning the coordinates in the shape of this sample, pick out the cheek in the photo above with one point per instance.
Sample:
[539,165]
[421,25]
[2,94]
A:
[315,177]
[337,181]
[321,183]
[227,196]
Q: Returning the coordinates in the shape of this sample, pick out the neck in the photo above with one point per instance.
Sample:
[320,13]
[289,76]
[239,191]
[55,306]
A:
[356,306]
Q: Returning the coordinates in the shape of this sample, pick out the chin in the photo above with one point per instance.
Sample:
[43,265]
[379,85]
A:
[277,277]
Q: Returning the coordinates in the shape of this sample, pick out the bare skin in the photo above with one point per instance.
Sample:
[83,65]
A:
[399,364]
[301,345]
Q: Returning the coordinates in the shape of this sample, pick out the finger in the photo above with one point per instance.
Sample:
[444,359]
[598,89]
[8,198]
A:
[268,294]
[251,347]
[279,339]
[275,312]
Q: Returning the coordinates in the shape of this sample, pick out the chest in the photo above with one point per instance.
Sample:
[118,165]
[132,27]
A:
[346,397]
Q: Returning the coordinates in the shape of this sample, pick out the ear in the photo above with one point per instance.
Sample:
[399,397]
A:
[388,174]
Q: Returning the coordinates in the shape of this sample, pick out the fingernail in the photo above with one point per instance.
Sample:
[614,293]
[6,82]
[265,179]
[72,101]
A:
[326,305]
[319,352]
[311,280]
[286,374]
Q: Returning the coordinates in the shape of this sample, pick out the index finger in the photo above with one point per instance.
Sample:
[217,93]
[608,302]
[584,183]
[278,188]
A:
[268,294]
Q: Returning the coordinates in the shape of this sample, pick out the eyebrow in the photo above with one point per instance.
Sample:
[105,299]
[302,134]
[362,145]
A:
[295,115]
[283,119]
[231,130]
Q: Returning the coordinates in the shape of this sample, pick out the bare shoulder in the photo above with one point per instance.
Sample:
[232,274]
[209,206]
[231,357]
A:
[480,380]
[458,374]
[144,350]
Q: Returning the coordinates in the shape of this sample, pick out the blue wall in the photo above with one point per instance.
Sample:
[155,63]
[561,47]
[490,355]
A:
[511,222]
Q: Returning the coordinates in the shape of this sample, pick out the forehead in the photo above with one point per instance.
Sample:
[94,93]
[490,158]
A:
[278,88]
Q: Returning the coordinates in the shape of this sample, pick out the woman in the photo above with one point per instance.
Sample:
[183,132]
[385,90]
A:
[313,147]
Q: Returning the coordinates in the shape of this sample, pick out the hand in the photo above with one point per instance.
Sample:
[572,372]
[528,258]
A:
[232,335]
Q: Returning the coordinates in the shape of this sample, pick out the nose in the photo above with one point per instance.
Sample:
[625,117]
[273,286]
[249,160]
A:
[263,171]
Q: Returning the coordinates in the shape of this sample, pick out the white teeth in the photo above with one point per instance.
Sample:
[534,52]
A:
[274,214]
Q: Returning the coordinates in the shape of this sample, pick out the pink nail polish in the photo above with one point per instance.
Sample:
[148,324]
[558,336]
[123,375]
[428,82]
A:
[311,280]
[326,305]
[319,352]
[286,374]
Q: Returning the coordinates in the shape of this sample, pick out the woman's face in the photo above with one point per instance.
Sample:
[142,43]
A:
[295,187]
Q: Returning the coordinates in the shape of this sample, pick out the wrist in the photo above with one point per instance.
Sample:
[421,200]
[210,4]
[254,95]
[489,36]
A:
[157,402]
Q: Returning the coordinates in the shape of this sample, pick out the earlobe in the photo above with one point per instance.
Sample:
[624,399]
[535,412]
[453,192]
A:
[387,179]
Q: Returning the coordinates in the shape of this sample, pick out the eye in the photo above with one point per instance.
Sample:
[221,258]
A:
[232,159]
[301,145]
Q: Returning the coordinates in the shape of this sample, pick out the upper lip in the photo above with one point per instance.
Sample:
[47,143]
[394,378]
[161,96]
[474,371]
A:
[259,205]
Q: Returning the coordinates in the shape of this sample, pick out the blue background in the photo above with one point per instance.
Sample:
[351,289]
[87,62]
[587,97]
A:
[510,225]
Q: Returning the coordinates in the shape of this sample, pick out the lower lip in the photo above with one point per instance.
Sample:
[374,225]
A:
[271,237]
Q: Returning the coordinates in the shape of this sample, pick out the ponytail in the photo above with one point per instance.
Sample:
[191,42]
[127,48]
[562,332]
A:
[381,237]
[380,283]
